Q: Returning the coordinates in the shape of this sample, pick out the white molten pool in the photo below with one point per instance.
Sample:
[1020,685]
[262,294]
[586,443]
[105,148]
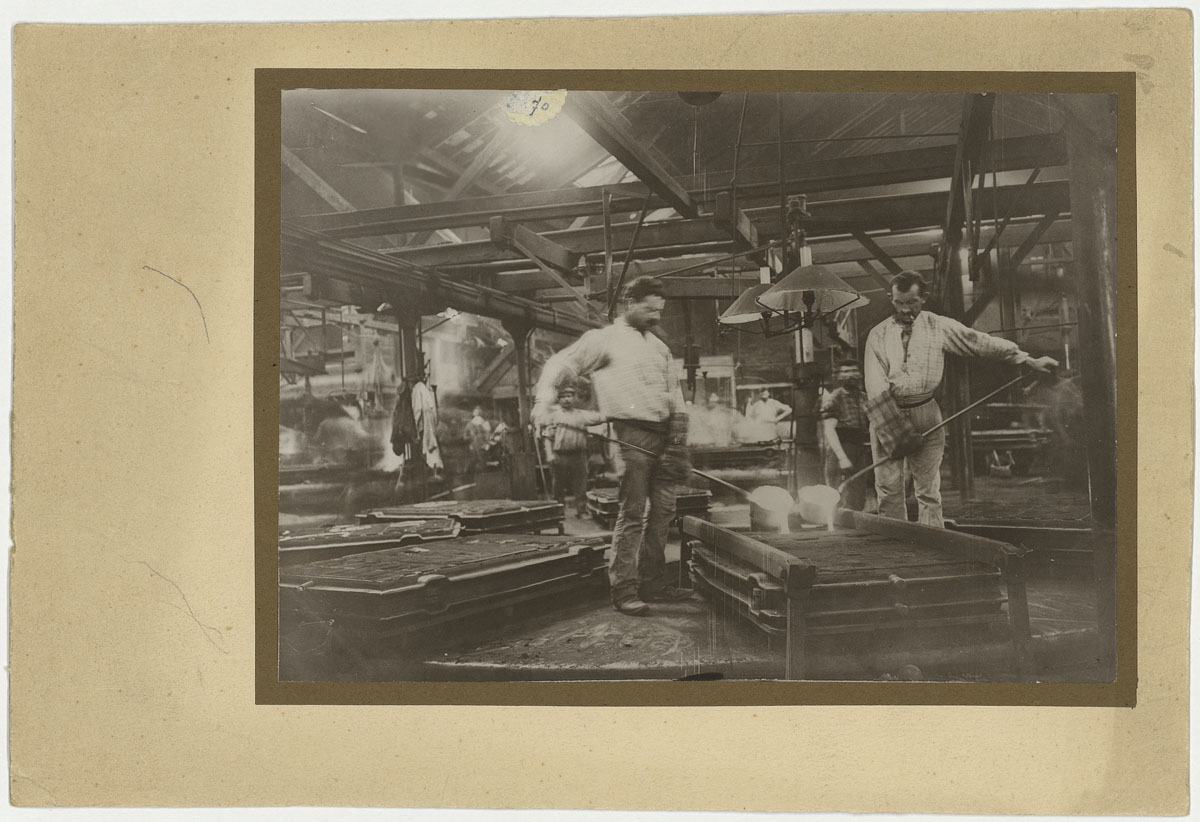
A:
[818,503]
[775,504]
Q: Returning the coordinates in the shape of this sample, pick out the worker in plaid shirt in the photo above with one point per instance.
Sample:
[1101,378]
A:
[638,391]
[844,419]
[905,358]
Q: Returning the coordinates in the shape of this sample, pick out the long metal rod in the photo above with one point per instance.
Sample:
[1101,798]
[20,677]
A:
[1017,200]
[737,149]
[864,138]
[783,233]
[606,204]
[715,260]
[1030,328]
[944,422]
[743,492]
[637,229]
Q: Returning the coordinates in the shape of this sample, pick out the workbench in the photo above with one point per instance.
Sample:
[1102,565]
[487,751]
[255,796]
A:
[382,594]
[868,578]
[301,545]
[478,516]
[603,504]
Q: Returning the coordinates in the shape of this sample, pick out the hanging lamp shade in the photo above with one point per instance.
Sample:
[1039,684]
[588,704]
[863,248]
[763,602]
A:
[811,288]
[745,309]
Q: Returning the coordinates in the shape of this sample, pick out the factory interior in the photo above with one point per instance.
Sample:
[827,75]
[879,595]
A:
[438,247]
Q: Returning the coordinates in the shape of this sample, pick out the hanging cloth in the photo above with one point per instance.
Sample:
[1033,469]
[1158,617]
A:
[375,377]
[424,409]
[404,422]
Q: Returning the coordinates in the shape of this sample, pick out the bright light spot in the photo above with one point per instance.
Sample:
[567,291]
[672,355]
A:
[818,504]
[772,498]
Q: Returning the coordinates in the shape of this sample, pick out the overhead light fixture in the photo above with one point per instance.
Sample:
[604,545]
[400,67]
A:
[809,293]
[812,290]
[745,309]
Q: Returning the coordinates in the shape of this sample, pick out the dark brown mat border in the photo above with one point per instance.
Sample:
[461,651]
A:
[268,690]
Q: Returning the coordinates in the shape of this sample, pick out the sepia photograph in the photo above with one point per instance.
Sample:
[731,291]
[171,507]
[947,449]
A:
[597,385]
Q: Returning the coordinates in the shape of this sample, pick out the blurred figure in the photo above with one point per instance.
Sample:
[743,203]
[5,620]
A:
[699,430]
[565,436]
[763,415]
[497,449]
[477,433]
[342,441]
[721,420]
[844,418]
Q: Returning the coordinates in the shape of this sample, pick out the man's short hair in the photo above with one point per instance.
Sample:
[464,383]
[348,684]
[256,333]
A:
[905,280]
[644,287]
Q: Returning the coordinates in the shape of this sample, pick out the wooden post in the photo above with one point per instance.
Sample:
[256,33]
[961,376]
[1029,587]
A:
[397,172]
[958,388]
[796,590]
[1090,129]
[1018,614]
[524,459]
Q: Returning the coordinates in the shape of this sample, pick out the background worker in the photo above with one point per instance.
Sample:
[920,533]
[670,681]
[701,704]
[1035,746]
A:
[905,358]
[566,441]
[477,433]
[765,413]
[638,391]
[844,419]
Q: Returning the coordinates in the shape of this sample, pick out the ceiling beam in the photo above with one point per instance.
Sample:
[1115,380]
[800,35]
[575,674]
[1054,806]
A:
[676,288]
[608,127]
[903,246]
[314,181]
[1012,154]
[876,277]
[831,217]
[491,374]
[506,235]
[1009,269]
[737,223]
[878,253]
[428,289]
[483,157]
[534,247]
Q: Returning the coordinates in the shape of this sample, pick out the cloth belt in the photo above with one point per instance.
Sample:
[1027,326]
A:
[907,407]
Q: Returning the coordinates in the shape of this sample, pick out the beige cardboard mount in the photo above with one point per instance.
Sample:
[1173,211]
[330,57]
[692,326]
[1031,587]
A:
[133,603]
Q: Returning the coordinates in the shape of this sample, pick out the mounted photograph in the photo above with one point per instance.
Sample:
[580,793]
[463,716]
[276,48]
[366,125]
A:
[751,384]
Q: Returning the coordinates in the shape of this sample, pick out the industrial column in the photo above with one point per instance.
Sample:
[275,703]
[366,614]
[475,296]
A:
[1091,132]
[523,464]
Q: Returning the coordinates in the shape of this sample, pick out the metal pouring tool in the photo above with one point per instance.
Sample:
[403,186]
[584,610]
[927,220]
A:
[696,471]
[941,424]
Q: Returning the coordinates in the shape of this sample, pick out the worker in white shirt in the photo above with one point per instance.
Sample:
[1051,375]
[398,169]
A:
[637,389]
[905,357]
